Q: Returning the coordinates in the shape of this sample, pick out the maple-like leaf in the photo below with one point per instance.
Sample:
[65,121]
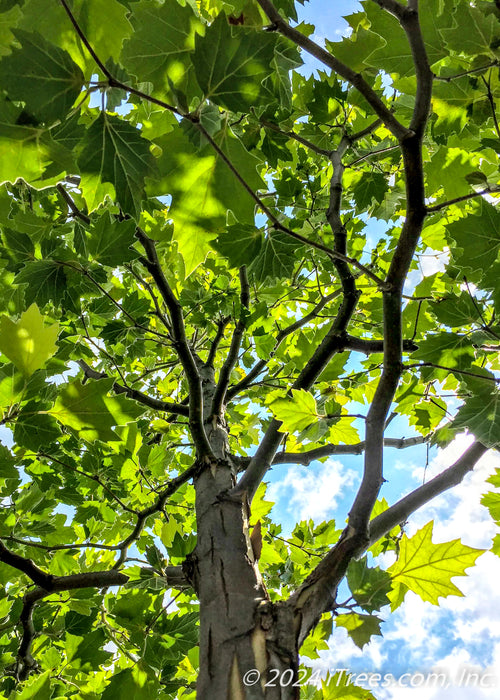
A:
[427,568]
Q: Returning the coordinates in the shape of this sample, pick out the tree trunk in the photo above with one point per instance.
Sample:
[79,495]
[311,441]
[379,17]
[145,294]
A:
[241,631]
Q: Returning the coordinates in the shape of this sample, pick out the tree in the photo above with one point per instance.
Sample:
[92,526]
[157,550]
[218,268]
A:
[189,280]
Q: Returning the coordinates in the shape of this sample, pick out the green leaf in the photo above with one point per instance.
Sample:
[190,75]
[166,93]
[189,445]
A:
[495,547]
[240,244]
[91,412]
[87,652]
[28,152]
[115,151]
[46,281]
[41,75]
[7,464]
[491,501]
[110,240]
[370,186]
[296,413]
[9,19]
[28,343]
[427,568]
[18,246]
[355,49]
[318,640]
[202,196]
[51,20]
[35,429]
[474,31]
[360,628]
[277,257]
[176,635]
[451,102]
[450,350]
[480,413]
[449,169]
[456,311]
[37,688]
[159,50]
[127,684]
[478,237]
[286,58]
[395,56]
[232,62]
[12,384]
[78,624]
[369,586]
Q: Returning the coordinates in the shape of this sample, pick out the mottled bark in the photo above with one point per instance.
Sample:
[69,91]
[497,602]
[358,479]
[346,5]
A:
[240,629]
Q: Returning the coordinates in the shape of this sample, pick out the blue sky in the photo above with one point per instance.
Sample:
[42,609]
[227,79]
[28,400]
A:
[462,635]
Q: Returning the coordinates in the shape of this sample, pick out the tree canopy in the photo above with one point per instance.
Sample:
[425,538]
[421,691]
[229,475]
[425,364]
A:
[210,267]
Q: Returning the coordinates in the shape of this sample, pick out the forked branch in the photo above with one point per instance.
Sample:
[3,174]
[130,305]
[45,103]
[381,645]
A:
[181,345]
[317,594]
[354,78]
[332,343]
[232,356]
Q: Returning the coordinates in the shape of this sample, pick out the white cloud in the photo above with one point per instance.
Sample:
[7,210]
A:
[312,492]
[457,512]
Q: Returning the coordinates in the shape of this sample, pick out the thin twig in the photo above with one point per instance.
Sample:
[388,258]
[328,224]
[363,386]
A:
[449,78]
[491,189]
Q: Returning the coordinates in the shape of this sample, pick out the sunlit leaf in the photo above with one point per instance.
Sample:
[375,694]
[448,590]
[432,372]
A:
[296,413]
[28,343]
[91,411]
[427,568]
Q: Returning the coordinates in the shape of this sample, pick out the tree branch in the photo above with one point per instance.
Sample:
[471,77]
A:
[453,370]
[332,343]
[148,288]
[113,82]
[334,255]
[492,105]
[232,356]
[144,399]
[41,578]
[411,148]
[394,7]
[181,345]
[305,458]
[401,511]
[221,325]
[491,189]
[296,137]
[71,205]
[449,78]
[91,579]
[57,547]
[372,153]
[411,25]
[155,507]
[356,79]
[92,477]
[194,119]
[369,346]
[317,594]
[364,132]
[282,334]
